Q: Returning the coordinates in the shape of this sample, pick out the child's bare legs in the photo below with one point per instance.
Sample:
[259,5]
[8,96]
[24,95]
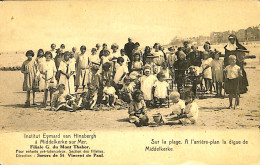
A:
[34,97]
[45,97]
[230,100]
[77,87]
[51,92]
[27,103]
[217,88]
[237,101]
[112,100]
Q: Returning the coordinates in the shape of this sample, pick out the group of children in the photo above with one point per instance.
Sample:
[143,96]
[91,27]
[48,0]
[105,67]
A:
[86,80]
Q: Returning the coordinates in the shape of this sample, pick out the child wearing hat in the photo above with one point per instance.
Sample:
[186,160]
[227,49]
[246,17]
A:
[137,110]
[161,90]
[147,82]
[82,69]
[30,78]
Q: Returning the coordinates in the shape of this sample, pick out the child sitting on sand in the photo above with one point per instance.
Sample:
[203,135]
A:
[176,109]
[109,94]
[30,79]
[137,110]
[60,100]
[190,113]
[127,90]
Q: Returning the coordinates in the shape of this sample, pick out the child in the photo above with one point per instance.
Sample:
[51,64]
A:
[127,90]
[161,90]
[232,73]
[67,70]
[190,113]
[147,82]
[82,69]
[121,71]
[30,81]
[164,69]
[137,64]
[217,72]
[88,99]
[125,57]
[53,51]
[94,58]
[114,48]
[160,57]
[63,101]
[180,66]
[109,94]
[176,109]
[40,60]
[207,74]
[48,81]
[75,53]
[171,58]
[94,85]
[137,110]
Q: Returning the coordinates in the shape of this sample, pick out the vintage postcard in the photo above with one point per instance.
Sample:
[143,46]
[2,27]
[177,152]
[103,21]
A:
[130,82]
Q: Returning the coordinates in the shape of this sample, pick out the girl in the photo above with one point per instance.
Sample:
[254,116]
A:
[147,52]
[121,71]
[136,50]
[48,81]
[206,71]
[127,90]
[161,90]
[29,71]
[67,70]
[160,57]
[53,51]
[147,83]
[94,84]
[137,64]
[232,74]
[217,72]
[137,110]
[82,68]
[94,58]
[40,60]
[114,48]
[125,57]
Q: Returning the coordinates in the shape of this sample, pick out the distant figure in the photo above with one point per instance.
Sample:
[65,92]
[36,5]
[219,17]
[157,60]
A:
[128,50]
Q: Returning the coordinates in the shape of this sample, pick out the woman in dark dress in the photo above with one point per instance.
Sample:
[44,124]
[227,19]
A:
[233,47]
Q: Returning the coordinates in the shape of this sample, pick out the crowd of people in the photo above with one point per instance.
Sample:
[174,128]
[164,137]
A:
[147,78]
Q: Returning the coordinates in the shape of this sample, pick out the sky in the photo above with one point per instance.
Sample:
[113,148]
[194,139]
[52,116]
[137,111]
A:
[34,24]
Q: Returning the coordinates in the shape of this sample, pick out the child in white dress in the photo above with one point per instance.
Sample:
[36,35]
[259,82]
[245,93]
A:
[207,73]
[161,90]
[147,82]
[67,70]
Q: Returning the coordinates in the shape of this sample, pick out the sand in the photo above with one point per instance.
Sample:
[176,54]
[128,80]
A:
[213,112]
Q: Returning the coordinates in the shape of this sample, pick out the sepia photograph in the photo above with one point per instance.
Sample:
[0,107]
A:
[144,69]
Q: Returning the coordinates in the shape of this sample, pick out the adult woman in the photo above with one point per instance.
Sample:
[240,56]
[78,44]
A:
[233,47]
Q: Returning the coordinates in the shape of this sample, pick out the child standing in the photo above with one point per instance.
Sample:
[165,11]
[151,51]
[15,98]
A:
[137,110]
[82,68]
[207,73]
[121,71]
[94,58]
[147,82]
[137,64]
[67,70]
[233,73]
[127,90]
[161,90]
[30,81]
[125,57]
[180,66]
[48,81]
[217,73]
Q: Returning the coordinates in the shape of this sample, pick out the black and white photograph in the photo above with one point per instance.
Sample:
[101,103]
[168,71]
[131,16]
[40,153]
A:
[135,66]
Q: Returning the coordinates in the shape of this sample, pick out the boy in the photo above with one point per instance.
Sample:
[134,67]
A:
[109,94]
